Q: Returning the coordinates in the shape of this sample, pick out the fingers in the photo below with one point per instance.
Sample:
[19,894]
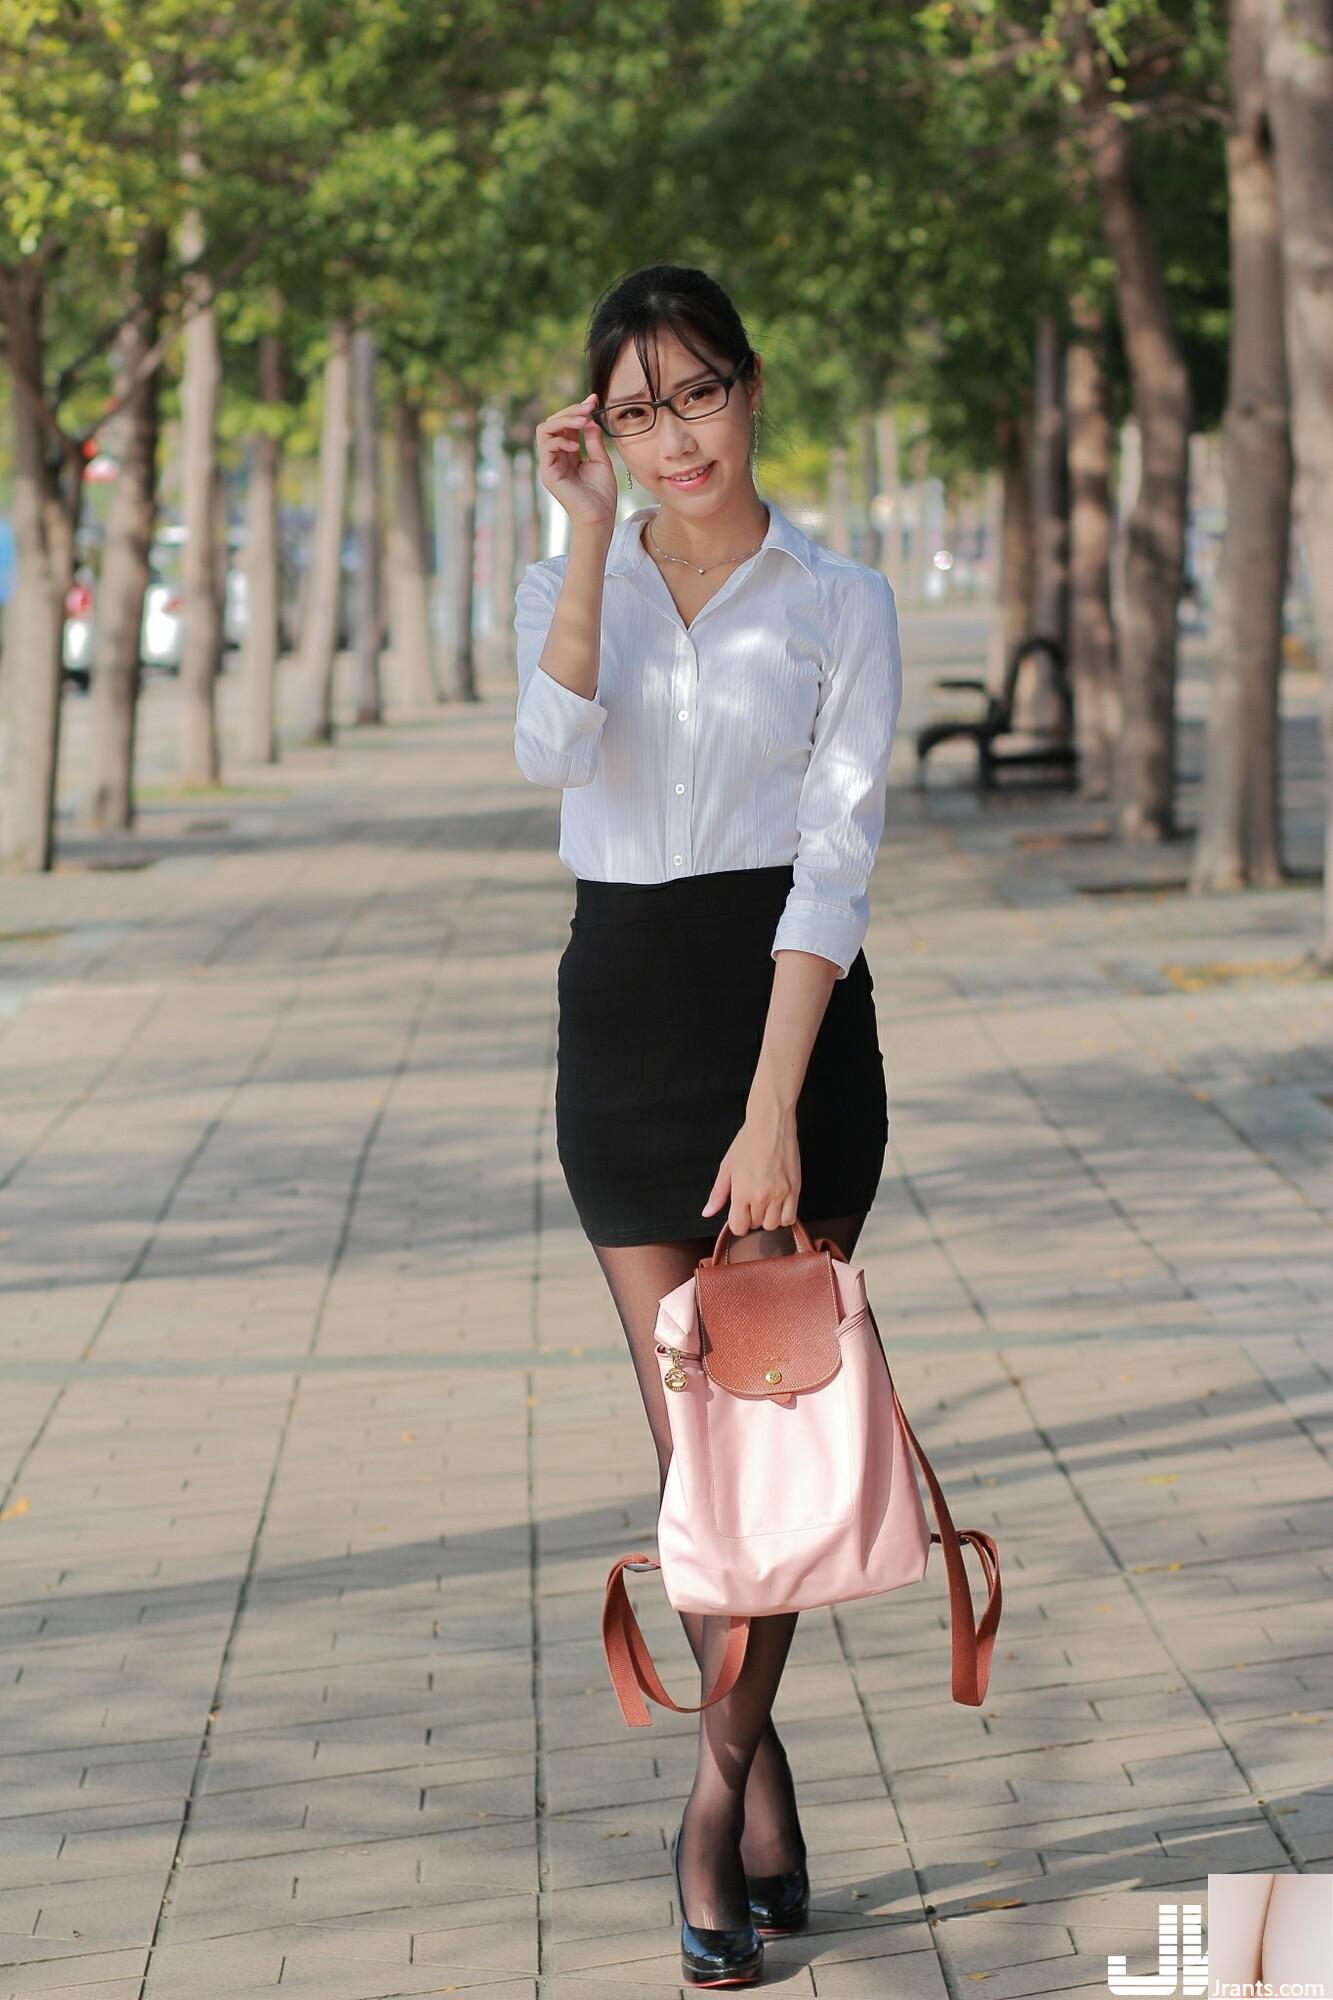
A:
[560,466]
[764,1207]
[763,1213]
[569,413]
[562,429]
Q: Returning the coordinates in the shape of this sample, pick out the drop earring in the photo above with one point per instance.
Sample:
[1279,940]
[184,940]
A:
[754,448]
[629,478]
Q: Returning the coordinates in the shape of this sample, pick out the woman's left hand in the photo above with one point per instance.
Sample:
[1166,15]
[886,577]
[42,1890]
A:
[761,1172]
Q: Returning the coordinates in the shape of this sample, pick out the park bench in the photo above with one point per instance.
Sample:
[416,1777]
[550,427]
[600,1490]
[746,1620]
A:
[1048,749]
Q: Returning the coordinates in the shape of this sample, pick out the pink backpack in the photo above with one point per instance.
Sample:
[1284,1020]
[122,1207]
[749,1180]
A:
[791,1481]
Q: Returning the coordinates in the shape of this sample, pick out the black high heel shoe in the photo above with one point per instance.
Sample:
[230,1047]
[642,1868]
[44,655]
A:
[780,1904]
[710,1957]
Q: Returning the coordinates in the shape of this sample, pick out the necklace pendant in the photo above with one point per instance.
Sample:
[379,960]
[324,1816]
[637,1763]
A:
[700,569]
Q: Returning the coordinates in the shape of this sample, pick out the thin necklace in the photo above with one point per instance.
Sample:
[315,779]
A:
[701,569]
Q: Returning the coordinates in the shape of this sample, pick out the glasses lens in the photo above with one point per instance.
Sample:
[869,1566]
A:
[627,418]
[702,399]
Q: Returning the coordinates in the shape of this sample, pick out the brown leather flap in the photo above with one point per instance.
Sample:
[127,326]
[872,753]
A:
[769,1325]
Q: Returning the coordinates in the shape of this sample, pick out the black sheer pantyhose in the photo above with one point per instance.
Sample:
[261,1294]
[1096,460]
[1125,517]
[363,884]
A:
[741,1815]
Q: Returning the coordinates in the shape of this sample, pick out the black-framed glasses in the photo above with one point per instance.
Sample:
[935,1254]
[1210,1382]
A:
[698,399]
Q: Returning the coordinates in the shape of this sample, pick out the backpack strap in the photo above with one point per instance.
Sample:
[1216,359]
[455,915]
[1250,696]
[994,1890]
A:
[633,1674]
[973,1640]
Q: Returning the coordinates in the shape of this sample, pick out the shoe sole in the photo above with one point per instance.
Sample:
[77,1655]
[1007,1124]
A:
[751,1979]
[783,1930]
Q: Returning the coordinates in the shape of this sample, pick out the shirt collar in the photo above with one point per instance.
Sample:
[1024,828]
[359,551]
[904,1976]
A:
[627,552]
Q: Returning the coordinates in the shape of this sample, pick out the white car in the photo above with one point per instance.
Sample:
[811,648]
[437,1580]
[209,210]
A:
[159,633]
[162,631]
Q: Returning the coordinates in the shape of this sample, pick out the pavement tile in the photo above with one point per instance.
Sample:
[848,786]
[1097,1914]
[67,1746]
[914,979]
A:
[328,1435]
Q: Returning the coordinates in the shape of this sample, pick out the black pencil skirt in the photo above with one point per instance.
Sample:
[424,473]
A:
[663,993]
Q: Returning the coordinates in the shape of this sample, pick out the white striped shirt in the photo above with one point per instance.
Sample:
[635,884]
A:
[756,736]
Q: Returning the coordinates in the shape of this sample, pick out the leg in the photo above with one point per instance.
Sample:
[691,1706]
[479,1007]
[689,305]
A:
[638,1275]
[712,1873]
[772,1841]
[731,1806]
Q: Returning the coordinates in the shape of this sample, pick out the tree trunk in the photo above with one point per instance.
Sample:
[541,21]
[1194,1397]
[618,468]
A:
[891,520]
[1299,76]
[992,512]
[529,527]
[263,640]
[129,541]
[1036,705]
[42,523]
[870,550]
[1092,652]
[462,672]
[323,599]
[369,568]
[539,507]
[201,385]
[1155,549]
[1240,838]
[1050,522]
[409,563]
[1014,588]
[525,417]
[503,580]
[838,534]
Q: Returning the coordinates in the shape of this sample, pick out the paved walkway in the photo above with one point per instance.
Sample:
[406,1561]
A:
[317,1434]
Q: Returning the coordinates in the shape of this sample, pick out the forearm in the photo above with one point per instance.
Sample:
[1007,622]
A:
[573,650]
[802,983]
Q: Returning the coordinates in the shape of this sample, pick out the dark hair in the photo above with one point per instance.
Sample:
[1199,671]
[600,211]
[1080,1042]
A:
[674,298]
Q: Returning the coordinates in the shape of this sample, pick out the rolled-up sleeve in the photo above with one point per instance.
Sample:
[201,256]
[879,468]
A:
[556,732]
[840,814]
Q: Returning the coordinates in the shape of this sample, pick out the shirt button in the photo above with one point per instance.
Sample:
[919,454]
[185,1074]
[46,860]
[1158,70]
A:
[678,859]
[682,714]
[680,788]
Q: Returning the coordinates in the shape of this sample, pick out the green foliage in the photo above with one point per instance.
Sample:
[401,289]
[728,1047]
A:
[894,194]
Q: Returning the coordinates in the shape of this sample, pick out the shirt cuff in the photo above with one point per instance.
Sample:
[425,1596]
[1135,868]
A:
[829,931]
[560,715]
[556,731]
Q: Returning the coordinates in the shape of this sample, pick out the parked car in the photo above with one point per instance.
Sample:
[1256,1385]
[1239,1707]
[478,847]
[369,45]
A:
[159,632]
[160,640]
[77,647]
[162,630]
[165,562]
[167,552]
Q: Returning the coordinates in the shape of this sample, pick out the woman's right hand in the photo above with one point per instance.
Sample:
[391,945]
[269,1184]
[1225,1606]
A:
[585,487]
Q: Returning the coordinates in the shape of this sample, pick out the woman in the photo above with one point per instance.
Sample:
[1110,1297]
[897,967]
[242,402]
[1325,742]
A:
[715,694]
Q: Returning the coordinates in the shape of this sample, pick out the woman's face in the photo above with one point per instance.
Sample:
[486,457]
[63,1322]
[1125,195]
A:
[675,445]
